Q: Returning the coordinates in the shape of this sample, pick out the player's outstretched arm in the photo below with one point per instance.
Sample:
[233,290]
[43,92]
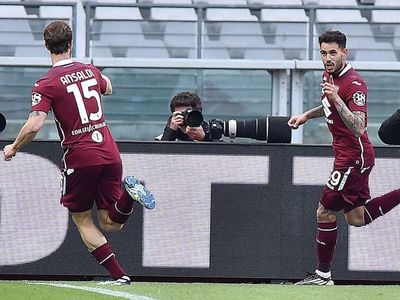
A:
[313,113]
[27,133]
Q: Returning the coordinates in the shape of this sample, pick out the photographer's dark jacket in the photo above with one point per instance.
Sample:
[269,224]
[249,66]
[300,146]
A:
[172,135]
[389,130]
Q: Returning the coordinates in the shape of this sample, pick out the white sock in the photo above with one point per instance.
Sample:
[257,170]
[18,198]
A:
[323,274]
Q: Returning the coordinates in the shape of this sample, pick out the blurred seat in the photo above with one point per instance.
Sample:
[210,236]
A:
[286,29]
[214,50]
[117,13]
[177,27]
[360,42]
[37,50]
[339,15]
[283,15]
[14,33]
[382,51]
[385,23]
[13,11]
[55,12]
[266,53]
[227,14]
[173,13]
[386,16]
[116,29]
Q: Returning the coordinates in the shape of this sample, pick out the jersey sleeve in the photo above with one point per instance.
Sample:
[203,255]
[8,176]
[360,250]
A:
[101,80]
[41,101]
[356,95]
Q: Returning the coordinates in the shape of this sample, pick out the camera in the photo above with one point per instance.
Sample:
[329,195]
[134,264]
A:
[2,122]
[270,129]
[192,118]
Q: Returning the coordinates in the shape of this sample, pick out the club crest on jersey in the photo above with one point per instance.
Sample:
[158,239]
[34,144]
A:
[359,98]
[36,98]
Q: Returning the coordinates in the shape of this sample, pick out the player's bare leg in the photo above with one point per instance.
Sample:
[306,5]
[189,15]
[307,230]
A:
[373,209]
[106,223]
[355,217]
[98,246]
[90,234]
[326,242]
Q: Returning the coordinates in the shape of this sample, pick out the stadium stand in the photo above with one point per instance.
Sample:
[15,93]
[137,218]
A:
[252,31]
[180,27]
[287,28]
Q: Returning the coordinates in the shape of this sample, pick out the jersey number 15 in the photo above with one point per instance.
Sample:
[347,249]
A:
[87,94]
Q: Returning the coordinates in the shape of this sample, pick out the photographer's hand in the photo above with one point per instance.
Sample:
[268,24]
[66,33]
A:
[176,120]
[195,133]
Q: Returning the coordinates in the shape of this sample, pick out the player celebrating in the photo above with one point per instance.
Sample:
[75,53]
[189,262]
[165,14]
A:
[92,167]
[344,105]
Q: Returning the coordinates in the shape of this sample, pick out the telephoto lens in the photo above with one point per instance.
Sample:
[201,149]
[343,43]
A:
[272,129]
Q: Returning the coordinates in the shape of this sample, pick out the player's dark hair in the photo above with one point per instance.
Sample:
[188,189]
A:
[58,37]
[333,36]
[185,99]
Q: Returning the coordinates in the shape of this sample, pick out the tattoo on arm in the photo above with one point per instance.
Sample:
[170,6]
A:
[315,112]
[355,121]
[34,113]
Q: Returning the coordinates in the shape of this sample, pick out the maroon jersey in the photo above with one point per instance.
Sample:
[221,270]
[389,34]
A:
[72,91]
[349,150]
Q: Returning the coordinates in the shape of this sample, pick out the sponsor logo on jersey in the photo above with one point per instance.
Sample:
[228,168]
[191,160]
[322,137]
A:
[356,82]
[359,98]
[36,84]
[36,98]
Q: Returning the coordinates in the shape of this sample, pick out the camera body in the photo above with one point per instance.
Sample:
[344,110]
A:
[192,118]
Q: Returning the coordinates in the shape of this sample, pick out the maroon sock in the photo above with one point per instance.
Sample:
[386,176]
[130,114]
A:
[120,211]
[379,206]
[106,258]
[326,242]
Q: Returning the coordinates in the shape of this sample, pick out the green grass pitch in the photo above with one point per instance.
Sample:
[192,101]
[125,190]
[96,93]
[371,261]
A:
[80,290]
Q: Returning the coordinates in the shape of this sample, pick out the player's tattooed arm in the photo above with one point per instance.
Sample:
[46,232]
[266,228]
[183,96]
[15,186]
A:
[298,120]
[315,112]
[354,120]
[30,129]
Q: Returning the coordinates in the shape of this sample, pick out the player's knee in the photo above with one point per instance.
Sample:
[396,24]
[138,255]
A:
[325,215]
[110,226]
[356,222]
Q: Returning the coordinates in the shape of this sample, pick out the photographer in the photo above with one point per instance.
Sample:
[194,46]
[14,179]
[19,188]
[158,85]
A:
[389,130]
[184,105]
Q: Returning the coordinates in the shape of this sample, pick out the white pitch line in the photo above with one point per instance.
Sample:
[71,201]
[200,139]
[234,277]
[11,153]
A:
[124,295]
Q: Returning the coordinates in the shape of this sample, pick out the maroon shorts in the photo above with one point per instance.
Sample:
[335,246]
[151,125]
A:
[346,189]
[83,187]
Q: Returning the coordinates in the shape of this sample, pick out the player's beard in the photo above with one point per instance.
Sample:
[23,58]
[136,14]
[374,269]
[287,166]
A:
[334,68]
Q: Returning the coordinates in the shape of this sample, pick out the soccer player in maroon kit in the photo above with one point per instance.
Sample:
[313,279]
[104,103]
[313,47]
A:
[344,106]
[92,167]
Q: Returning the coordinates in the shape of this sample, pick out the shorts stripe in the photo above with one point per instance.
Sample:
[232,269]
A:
[63,183]
[344,179]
